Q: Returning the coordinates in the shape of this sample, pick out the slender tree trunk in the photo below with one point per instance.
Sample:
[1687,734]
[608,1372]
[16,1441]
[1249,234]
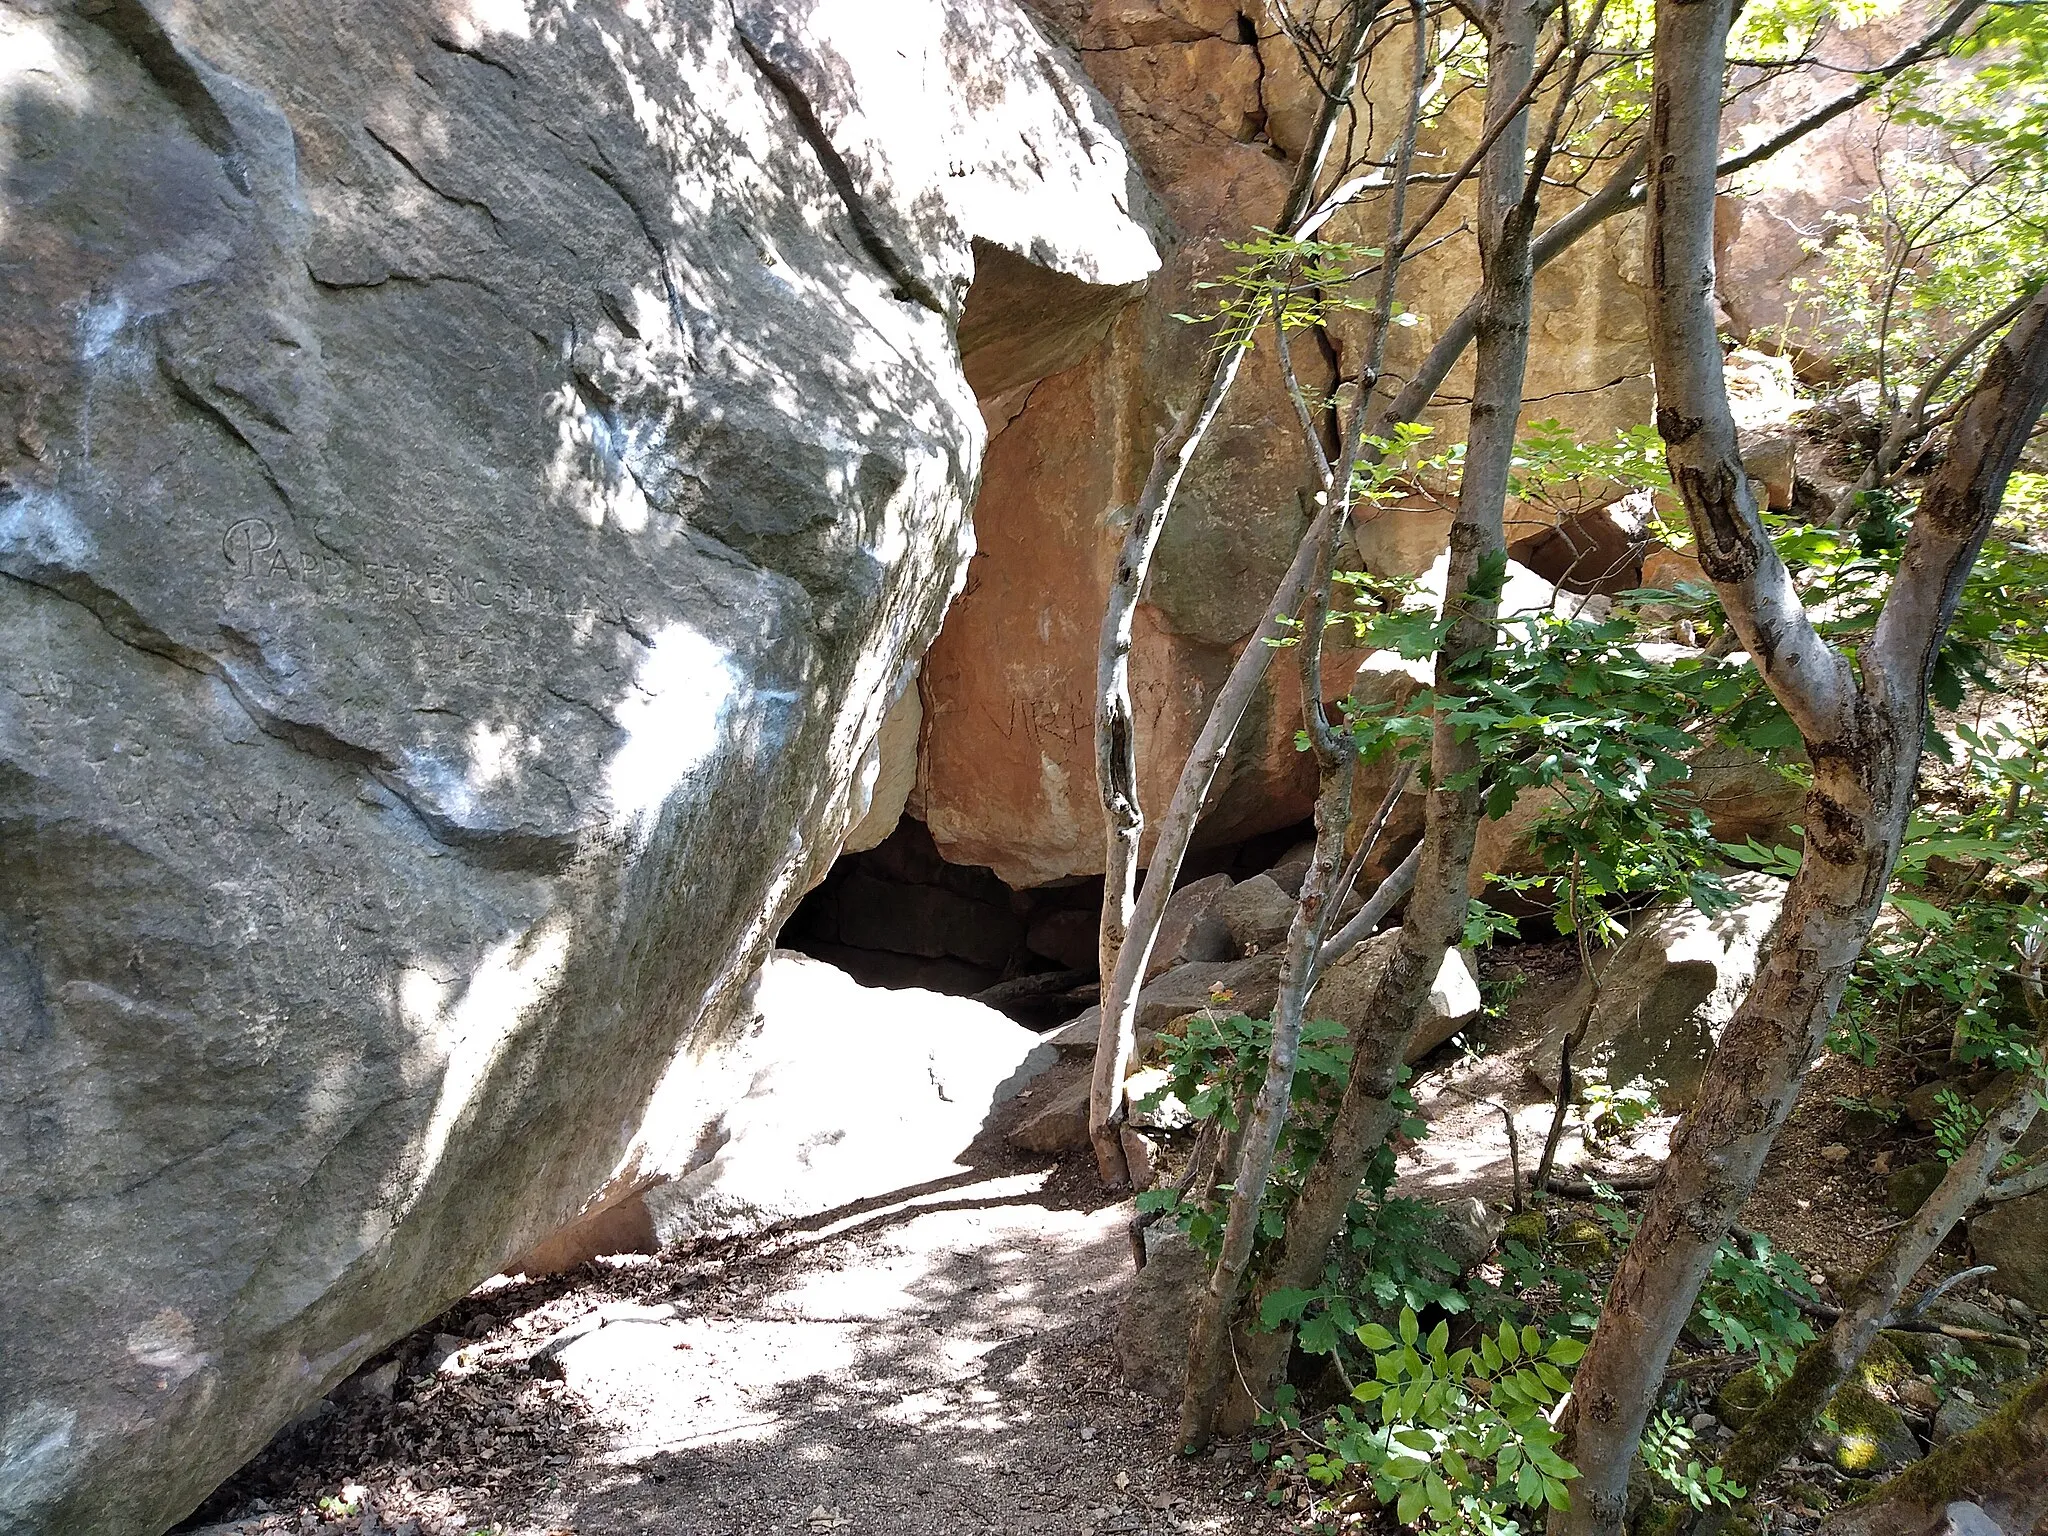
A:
[1862,735]
[1136,922]
[1210,1338]
[1780,1427]
[1438,907]
[1116,744]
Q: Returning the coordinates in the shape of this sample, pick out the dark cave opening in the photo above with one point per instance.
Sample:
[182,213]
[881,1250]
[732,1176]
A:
[899,915]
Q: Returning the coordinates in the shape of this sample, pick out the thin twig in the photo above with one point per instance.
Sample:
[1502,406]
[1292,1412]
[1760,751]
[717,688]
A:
[1514,1141]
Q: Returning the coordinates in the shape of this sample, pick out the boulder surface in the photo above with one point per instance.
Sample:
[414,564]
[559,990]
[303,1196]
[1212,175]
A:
[473,478]
[1666,992]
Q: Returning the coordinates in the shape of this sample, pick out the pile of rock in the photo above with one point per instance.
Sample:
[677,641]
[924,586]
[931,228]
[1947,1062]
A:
[1220,947]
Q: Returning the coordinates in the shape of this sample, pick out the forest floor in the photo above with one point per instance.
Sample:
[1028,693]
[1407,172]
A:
[940,1360]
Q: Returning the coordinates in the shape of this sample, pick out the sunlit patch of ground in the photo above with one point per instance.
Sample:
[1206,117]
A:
[940,1363]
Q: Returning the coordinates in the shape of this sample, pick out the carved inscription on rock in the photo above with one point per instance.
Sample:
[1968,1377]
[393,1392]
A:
[255,555]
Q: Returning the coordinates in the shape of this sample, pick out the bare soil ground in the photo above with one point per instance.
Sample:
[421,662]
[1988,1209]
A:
[939,1362]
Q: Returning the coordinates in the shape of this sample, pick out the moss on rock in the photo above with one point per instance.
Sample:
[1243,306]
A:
[1860,1431]
[1864,1435]
[1741,1398]
[1988,1457]
[1583,1240]
[1529,1228]
[1994,1362]
[1883,1366]
[1907,1189]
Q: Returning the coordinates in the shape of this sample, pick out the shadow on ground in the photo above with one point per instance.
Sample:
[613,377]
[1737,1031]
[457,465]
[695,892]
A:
[935,1360]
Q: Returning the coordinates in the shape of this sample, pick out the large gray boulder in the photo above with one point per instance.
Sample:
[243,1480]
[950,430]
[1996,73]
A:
[2014,1236]
[1348,992]
[1666,992]
[472,481]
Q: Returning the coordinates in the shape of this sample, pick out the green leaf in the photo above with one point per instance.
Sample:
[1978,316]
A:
[1440,1503]
[1510,1342]
[1285,1305]
[1320,1335]
[1375,1338]
[1408,1508]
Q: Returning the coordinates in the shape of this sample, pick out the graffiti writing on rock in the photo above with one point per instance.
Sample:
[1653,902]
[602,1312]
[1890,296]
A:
[255,554]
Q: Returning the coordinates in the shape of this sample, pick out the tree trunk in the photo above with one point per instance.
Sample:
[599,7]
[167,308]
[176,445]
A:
[1437,910]
[1116,743]
[1134,924]
[1861,734]
[1209,1341]
[1780,1427]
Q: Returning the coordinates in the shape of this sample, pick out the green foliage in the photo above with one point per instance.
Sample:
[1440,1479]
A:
[1557,1293]
[1667,1450]
[1387,1257]
[1214,1068]
[1953,1373]
[1455,1440]
[1577,709]
[1297,282]
[1605,1110]
[1553,468]
[1484,924]
[1966,907]
[1844,575]
[1956,1123]
[1748,1303]
[1958,223]
[1966,910]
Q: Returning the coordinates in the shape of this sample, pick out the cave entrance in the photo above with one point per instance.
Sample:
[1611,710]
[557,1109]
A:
[899,915]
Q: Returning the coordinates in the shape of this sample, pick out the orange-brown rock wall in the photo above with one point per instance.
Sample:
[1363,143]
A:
[1213,102]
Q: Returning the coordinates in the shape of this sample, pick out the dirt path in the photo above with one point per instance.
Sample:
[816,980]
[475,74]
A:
[936,1363]
[936,1360]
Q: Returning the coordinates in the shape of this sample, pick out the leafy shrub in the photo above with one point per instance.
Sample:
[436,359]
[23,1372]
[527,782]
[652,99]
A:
[1748,1303]
[1667,1450]
[1455,1440]
[1386,1258]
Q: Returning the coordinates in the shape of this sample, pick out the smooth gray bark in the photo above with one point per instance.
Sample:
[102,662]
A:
[1438,906]
[1116,742]
[1209,1339]
[1862,732]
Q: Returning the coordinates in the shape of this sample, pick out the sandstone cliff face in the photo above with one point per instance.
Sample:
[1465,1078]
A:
[473,476]
[1215,103]
[1007,776]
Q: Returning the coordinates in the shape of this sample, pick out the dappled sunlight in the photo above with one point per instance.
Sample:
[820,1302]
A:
[471,1031]
[670,722]
[472,21]
[32,63]
[587,474]
[902,1316]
